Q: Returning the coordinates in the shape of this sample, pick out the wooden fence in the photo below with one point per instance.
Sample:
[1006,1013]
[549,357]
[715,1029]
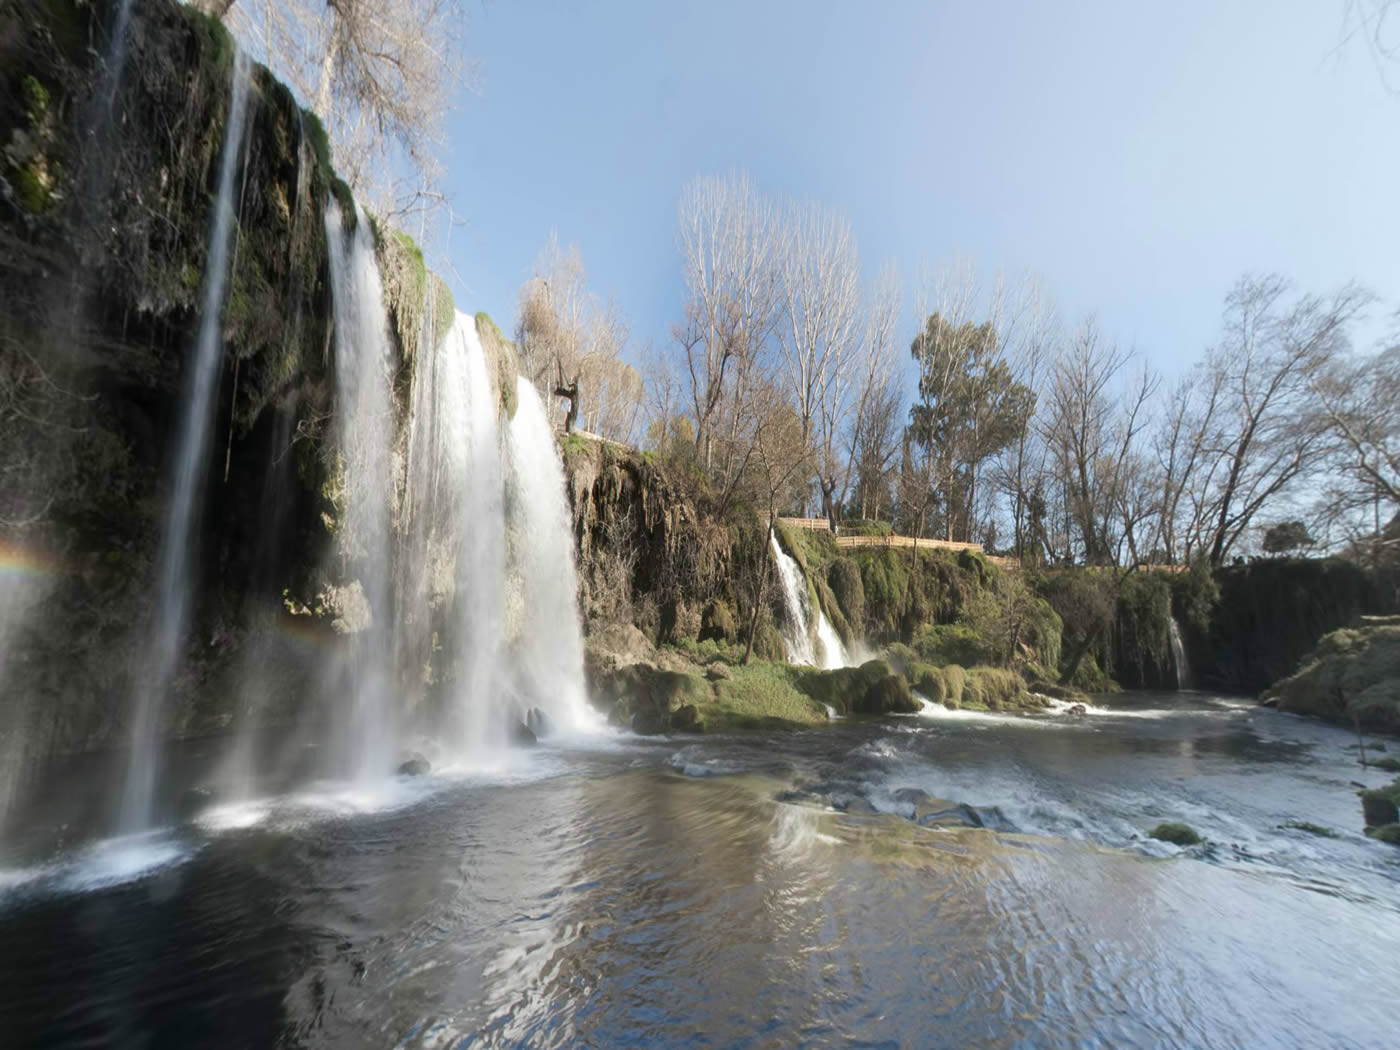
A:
[810,524]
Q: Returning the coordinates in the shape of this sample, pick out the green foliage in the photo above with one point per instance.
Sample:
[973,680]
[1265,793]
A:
[860,527]
[847,588]
[761,695]
[1195,594]
[1287,536]
[1176,833]
[953,643]
[340,190]
[1387,833]
[954,683]
[1390,765]
[928,681]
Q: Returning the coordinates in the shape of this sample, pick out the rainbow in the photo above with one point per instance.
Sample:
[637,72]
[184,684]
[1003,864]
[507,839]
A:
[25,563]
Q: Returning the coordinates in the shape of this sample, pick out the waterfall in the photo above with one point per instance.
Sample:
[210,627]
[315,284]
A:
[547,642]
[365,434]
[798,637]
[191,462]
[478,612]
[828,653]
[1179,660]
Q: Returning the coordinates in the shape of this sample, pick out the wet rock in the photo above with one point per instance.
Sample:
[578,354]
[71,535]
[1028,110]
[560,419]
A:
[888,696]
[415,766]
[686,719]
[537,722]
[1176,833]
[648,722]
[1076,709]
[1378,807]
[522,735]
[193,802]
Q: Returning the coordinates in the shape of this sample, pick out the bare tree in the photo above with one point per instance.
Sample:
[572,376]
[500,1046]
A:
[873,436]
[819,269]
[571,345]
[1093,432]
[1268,436]
[732,279]
[1359,400]
[380,74]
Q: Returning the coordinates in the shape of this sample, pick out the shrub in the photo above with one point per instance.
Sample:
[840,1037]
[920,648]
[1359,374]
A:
[954,682]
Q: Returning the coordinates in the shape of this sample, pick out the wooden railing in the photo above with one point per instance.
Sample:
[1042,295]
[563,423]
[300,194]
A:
[810,524]
[919,542]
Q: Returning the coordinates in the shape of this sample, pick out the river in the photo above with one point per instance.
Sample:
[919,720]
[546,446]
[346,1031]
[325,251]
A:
[761,890]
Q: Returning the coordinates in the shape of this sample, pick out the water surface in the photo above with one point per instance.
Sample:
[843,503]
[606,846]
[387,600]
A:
[812,889]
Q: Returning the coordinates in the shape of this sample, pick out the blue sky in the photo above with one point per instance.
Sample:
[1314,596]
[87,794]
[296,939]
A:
[1137,157]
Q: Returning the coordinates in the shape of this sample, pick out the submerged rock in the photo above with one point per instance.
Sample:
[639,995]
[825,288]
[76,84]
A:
[522,735]
[1176,833]
[1076,709]
[537,722]
[415,766]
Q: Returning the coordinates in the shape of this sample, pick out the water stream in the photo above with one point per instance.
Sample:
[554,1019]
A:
[826,888]
[192,447]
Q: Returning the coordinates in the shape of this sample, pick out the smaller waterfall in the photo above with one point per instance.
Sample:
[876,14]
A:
[365,434]
[549,644]
[191,464]
[798,636]
[1179,660]
[828,653]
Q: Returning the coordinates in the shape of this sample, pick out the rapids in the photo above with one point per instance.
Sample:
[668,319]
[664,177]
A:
[824,888]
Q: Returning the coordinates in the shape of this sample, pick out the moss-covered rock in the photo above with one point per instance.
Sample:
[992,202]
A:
[1388,833]
[1351,677]
[1176,833]
[1381,805]
[889,695]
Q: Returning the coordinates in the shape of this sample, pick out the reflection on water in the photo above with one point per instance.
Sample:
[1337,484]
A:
[819,889]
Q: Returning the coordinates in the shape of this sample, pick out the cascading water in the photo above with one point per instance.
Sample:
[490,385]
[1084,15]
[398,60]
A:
[548,643]
[797,637]
[1179,660]
[364,432]
[829,653]
[191,463]
[479,606]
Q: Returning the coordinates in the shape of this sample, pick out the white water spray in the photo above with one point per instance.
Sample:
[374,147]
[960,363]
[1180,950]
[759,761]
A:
[1179,660]
[192,455]
[365,432]
[549,644]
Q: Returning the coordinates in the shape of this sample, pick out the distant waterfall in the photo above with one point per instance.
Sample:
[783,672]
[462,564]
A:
[191,462]
[365,434]
[828,653]
[1179,660]
[549,645]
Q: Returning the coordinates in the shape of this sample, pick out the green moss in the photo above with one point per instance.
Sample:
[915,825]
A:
[318,140]
[994,688]
[761,695]
[1176,833]
[1390,765]
[36,100]
[1311,829]
[928,681]
[340,190]
[954,682]
[1388,833]
[32,189]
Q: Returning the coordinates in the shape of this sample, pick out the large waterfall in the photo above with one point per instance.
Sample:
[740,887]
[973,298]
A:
[173,591]
[547,640]
[828,652]
[365,426]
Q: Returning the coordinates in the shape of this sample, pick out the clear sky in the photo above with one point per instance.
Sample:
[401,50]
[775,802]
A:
[1137,157]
